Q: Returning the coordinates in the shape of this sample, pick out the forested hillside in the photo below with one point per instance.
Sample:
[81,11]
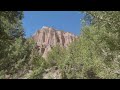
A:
[95,54]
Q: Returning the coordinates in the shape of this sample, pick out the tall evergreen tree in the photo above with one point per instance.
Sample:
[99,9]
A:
[10,28]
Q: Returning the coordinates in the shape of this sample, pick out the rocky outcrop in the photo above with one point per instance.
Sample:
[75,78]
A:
[47,37]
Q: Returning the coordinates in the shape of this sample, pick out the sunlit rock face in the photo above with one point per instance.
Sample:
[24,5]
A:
[48,37]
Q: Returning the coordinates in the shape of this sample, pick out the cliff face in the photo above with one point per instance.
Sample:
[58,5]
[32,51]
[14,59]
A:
[47,37]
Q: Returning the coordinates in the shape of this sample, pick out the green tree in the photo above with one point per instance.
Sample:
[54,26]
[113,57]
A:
[10,31]
[96,53]
[56,56]
[10,28]
[18,55]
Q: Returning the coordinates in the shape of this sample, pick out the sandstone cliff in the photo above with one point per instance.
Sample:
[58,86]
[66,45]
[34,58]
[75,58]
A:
[47,37]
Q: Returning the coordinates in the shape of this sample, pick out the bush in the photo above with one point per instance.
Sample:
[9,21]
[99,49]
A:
[56,56]
[90,57]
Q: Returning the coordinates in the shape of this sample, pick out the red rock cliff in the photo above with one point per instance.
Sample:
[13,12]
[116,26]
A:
[47,37]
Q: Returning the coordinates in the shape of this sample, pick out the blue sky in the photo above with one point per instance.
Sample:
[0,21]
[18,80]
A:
[69,21]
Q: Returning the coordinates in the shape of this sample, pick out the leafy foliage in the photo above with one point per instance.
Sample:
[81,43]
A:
[18,55]
[55,57]
[95,54]
[10,28]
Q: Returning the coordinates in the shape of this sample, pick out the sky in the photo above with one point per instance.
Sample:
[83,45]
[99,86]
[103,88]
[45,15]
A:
[68,21]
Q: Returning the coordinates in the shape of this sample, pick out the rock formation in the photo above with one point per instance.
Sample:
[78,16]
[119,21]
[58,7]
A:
[47,37]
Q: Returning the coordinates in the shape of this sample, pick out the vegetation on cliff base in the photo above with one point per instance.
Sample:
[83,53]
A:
[96,54]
